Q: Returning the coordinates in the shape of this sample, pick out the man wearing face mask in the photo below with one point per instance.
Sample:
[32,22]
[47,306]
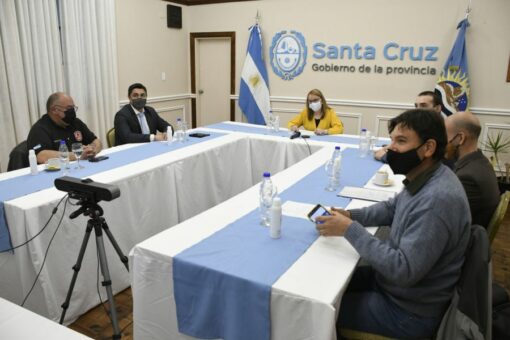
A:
[137,123]
[471,166]
[427,100]
[60,123]
[411,276]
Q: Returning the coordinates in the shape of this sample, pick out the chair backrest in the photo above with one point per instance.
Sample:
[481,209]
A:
[110,137]
[18,158]
[469,313]
[498,215]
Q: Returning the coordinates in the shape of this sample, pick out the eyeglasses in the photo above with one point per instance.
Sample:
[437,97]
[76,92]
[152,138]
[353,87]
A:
[65,108]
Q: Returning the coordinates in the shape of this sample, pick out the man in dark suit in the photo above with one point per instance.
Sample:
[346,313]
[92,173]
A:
[471,166]
[137,123]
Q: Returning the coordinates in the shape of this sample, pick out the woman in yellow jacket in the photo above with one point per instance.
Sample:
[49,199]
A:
[317,116]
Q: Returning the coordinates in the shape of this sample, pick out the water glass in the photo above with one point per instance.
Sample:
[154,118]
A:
[276,124]
[77,149]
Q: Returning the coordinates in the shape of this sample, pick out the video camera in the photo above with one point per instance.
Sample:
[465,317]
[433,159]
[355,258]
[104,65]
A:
[87,188]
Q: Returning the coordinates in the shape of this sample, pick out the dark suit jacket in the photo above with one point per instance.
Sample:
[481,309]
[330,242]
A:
[479,180]
[128,129]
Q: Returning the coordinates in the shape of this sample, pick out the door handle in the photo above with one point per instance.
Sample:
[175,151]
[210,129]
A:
[200,91]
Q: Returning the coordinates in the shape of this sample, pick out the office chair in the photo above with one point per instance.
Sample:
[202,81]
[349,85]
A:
[18,158]
[110,137]
[497,216]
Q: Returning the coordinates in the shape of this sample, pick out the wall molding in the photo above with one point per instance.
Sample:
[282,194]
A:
[380,105]
[181,108]
[379,120]
[483,111]
[162,99]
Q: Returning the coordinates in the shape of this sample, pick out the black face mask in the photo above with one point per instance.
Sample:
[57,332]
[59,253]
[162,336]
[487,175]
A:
[70,116]
[403,162]
[139,103]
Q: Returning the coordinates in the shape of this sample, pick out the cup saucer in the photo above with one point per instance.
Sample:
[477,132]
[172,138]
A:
[387,183]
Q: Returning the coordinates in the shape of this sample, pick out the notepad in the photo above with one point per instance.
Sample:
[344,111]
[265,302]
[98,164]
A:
[366,194]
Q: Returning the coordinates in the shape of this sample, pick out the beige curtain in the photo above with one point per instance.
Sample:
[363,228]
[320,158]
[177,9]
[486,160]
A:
[30,67]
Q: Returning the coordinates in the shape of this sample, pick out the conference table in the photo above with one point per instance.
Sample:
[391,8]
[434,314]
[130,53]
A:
[304,300]
[17,323]
[172,184]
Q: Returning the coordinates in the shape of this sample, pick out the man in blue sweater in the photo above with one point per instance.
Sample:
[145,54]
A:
[409,283]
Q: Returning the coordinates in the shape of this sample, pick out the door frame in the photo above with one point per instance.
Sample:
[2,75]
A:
[202,35]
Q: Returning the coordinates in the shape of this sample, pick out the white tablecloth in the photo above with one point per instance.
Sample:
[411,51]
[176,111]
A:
[17,323]
[304,300]
[156,194]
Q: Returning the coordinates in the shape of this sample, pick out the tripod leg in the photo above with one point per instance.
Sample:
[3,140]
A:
[76,269]
[107,283]
[122,257]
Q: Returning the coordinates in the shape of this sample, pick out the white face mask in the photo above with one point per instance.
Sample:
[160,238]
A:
[315,106]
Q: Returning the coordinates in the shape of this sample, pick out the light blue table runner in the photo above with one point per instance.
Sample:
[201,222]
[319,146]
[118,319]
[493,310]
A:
[222,285]
[262,130]
[23,185]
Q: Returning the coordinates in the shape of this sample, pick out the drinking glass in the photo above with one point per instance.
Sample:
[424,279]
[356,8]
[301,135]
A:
[77,149]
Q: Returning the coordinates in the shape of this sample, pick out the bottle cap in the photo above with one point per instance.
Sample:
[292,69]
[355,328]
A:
[62,141]
[363,130]
[277,202]
[267,174]
[337,147]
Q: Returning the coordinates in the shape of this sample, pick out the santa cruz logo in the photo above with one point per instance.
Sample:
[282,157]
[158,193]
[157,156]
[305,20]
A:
[288,54]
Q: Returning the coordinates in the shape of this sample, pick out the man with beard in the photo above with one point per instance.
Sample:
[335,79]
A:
[60,123]
[411,276]
[427,100]
[137,123]
[471,166]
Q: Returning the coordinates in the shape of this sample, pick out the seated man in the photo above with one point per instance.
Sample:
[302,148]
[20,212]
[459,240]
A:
[137,123]
[427,100]
[410,281]
[60,123]
[471,166]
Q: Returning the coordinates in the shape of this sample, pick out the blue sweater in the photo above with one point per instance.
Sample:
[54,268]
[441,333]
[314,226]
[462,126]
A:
[419,264]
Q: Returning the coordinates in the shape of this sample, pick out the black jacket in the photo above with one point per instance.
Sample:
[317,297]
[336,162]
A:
[128,129]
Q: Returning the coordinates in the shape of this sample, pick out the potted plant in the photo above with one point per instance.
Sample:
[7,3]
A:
[498,145]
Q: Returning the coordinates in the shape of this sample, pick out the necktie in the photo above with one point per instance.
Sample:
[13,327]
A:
[143,123]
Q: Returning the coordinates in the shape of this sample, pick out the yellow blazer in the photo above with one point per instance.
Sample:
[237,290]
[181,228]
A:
[329,122]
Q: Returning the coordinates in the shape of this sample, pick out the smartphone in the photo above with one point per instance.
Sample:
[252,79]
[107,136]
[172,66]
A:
[318,210]
[199,135]
[98,159]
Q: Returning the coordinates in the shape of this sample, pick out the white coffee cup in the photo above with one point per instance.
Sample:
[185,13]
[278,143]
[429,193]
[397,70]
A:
[381,177]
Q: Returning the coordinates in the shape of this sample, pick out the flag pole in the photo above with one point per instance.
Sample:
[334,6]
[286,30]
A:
[468,9]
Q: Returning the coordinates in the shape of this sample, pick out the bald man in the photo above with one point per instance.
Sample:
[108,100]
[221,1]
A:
[60,123]
[427,100]
[471,166]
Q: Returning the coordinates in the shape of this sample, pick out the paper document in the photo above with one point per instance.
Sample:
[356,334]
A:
[366,194]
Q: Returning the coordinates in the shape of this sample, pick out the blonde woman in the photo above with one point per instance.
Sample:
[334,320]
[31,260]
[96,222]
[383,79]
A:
[317,116]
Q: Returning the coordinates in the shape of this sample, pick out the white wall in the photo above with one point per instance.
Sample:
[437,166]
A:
[360,99]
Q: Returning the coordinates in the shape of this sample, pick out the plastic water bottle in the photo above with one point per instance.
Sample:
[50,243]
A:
[184,126]
[333,167]
[32,160]
[275,231]
[364,142]
[64,155]
[169,135]
[267,193]
[270,122]
[179,134]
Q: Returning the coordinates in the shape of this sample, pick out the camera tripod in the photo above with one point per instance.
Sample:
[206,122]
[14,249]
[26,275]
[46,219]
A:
[91,209]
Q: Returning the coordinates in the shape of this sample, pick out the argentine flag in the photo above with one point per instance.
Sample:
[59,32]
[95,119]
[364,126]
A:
[453,83]
[254,88]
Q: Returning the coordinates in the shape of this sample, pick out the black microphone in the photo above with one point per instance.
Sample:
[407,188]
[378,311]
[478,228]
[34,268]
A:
[296,134]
